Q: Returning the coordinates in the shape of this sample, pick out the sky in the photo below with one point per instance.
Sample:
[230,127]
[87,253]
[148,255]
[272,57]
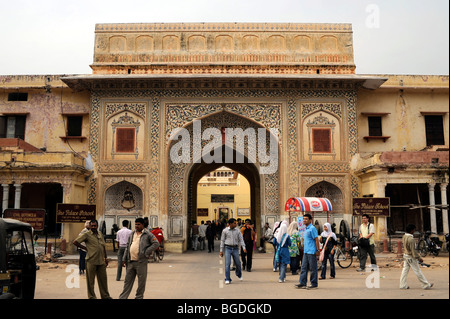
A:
[389,36]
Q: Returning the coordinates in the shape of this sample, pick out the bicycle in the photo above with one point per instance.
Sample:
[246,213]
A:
[344,257]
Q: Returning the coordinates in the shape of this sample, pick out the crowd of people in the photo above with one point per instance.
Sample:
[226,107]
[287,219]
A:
[300,249]
[304,251]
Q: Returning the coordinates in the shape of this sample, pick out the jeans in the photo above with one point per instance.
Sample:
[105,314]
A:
[283,268]
[232,252]
[327,257]
[194,242]
[309,263]
[247,257]
[364,251]
[120,254]
[295,264]
[210,244]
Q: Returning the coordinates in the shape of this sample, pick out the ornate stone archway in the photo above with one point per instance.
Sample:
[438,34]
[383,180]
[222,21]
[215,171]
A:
[219,116]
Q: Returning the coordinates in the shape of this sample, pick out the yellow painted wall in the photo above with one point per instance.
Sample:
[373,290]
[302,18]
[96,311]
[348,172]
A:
[404,97]
[241,198]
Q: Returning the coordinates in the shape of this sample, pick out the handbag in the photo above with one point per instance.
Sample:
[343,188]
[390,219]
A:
[364,242]
[322,253]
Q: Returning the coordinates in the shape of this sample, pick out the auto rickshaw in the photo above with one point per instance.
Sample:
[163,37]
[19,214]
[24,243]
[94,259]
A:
[17,260]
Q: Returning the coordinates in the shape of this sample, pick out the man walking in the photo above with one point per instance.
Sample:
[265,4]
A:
[229,243]
[311,250]
[194,235]
[267,237]
[366,243]
[248,233]
[210,236]
[122,237]
[141,245]
[202,235]
[411,259]
[96,261]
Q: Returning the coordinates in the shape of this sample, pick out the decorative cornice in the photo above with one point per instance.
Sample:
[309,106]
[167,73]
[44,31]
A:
[236,27]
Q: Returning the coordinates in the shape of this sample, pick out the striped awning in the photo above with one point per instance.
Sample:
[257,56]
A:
[308,204]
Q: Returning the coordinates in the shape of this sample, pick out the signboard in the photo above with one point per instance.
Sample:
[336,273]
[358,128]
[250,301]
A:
[74,213]
[222,198]
[372,206]
[33,216]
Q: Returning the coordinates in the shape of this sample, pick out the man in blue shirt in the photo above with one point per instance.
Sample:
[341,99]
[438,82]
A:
[311,250]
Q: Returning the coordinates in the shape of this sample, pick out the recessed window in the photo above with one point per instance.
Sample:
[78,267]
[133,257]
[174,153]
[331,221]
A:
[434,129]
[74,125]
[17,96]
[375,126]
[12,126]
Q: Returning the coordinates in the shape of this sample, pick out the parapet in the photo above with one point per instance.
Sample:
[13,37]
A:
[223,48]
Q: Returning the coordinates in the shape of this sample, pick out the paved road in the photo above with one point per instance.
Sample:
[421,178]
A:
[200,275]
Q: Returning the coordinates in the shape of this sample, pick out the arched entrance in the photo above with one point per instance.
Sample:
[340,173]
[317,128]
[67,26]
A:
[240,155]
[334,194]
[248,170]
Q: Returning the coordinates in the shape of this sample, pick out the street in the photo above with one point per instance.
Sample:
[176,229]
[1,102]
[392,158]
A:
[200,275]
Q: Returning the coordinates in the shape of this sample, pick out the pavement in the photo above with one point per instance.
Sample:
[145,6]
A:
[197,275]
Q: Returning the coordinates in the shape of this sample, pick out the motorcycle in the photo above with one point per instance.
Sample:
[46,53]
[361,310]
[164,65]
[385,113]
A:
[428,244]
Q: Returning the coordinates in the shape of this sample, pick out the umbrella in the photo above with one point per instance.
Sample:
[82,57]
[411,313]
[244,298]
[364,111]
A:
[308,204]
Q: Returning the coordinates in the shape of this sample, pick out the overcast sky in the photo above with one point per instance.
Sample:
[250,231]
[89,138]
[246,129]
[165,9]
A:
[390,36]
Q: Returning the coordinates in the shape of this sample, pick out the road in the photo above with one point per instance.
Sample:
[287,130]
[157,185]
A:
[200,275]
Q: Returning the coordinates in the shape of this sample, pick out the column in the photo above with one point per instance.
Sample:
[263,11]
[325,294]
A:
[381,222]
[17,195]
[5,197]
[432,207]
[444,209]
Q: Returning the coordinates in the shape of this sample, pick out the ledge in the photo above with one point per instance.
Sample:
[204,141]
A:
[368,138]
[65,138]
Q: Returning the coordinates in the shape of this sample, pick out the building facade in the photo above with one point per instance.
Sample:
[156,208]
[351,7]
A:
[107,138]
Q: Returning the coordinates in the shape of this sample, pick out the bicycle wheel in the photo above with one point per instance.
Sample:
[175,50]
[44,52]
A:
[344,259]
[422,248]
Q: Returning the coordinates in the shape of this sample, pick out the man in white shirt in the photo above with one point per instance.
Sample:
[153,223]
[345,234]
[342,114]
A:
[122,238]
[367,231]
[202,235]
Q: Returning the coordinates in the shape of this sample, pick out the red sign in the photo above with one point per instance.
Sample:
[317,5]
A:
[34,217]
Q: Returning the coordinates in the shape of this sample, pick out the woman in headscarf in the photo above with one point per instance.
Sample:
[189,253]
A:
[294,252]
[329,250]
[276,229]
[283,241]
